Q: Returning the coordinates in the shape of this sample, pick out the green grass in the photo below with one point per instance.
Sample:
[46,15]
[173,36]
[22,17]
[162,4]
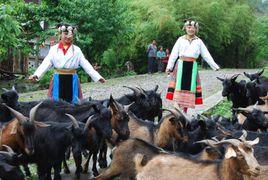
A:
[223,108]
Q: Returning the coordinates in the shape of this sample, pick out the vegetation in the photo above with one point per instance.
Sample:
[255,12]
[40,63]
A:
[223,108]
[111,32]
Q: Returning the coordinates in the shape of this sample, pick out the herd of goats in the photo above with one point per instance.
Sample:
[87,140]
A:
[47,132]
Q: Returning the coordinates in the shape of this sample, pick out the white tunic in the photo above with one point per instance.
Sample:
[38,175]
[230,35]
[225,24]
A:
[183,47]
[71,60]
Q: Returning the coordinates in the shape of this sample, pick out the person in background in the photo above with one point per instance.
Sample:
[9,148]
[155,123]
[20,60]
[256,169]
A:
[66,58]
[184,86]
[151,54]
[160,56]
[165,60]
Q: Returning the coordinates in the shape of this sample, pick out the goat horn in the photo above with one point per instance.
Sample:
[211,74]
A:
[255,105]
[207,141]
[243,109]
[234,142]
[244,135]
[18,115]
[260,73]
[235,76]
[4,89]
[128,106]
[182,113]
[135,90]
[7,153]
[75,123]
[33,111]
[203,117]
[156,88]
[8,149]
[89,121]
[223,130]
[142,91]
[174,112]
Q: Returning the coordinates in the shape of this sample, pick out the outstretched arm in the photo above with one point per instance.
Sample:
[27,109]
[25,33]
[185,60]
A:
[207,57]
[90,70]
[43,68]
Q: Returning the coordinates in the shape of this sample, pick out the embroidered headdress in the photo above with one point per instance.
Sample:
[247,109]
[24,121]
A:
[189,22]
[63,27]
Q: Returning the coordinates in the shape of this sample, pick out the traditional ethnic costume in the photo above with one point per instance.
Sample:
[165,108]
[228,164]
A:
[65,83]
[184,86]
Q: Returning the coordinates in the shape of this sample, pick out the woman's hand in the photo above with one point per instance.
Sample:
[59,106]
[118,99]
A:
[168,71]
[102,80]
[33,78]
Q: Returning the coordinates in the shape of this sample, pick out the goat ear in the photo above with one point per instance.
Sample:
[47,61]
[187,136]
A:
[254,142]
[113,104]
[230,152]
[221,79]
[41,124]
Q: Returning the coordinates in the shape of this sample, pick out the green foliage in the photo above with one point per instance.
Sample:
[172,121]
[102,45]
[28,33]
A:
[223,109]
[112,32]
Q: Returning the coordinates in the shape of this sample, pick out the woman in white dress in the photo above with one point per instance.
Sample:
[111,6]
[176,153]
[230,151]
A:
[184,86]
[66,57]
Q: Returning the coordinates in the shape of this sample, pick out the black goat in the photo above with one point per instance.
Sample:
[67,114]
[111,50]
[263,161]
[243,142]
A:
[9,169]
[146,104]
[257,76]
[234,91]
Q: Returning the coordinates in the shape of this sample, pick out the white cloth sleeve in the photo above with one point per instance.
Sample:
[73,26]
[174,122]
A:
[207,57]
[174,55]
[89,69]
[45,65]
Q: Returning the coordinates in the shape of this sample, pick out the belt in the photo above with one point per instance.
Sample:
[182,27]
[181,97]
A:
[65,71]
[188,59]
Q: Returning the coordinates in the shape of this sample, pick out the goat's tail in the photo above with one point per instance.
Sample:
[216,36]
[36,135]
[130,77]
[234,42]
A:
[140,161]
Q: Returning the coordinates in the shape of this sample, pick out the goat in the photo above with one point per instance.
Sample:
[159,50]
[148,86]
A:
[123,165]
[238,161]
[9,169]
[234,91]
[257,76]
[147,104]
[119,122]
[162,135]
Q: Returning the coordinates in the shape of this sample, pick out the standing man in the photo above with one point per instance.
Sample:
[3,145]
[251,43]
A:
[66,57]
[151,53]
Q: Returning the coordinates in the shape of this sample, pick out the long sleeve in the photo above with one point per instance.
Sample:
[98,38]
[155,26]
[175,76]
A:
[174,55]
[45,65]
[207,57]
[89,69]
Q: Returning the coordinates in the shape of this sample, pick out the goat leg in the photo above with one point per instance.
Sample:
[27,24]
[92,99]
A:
[78,161]
[57,170]
[26,170]
[85,168]
[94,167]
[66,168]
[102,156]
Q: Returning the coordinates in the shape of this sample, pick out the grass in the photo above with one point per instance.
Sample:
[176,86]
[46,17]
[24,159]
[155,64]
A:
[223,108]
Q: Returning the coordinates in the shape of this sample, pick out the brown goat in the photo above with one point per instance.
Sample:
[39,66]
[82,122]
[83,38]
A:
[19,132]
[239,161]
[161,135]
[123,165]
